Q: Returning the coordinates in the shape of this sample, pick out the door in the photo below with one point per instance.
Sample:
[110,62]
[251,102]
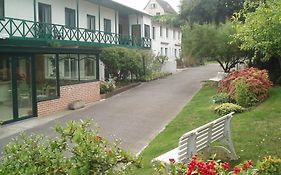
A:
[16,88]
[136,35]
[45,20]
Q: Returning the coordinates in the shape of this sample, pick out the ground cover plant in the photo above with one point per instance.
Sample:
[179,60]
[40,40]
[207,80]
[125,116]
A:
[77,150]
[254,132]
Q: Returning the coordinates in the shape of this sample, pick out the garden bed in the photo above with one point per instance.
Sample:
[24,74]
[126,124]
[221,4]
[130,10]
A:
[119,90]
[255,132]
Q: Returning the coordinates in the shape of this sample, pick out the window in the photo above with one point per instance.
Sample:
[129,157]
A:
[161,32]
[68,68]
[2,12]
[166,51]
[70,19]
[153,32]
[176,53]
[87,67]
[107,26]
[46,76]
[162,51]
[44,14]
[153,6]
[146,31]
[167,32]
[91,22]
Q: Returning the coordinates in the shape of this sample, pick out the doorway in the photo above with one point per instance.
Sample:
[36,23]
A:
[16,87]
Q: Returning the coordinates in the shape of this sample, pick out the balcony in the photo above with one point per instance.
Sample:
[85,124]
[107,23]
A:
[19,29]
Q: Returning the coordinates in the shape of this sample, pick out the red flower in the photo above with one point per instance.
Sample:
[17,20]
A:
[225,166]
[236,170]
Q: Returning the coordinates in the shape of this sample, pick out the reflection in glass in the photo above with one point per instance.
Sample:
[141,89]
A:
[46,76]
[87,67]
[68,68]
[24,86]
[6,100]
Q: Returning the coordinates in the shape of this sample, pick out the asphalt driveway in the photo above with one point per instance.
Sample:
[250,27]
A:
[137,115]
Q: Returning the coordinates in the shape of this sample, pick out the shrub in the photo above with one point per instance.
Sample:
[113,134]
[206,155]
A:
[153,76]
[269,166]
[221,98]
[243,95]
[77,150]
[107,86]
[227,108]
[257,82]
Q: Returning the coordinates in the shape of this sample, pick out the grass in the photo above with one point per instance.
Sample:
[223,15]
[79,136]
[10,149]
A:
[256,133]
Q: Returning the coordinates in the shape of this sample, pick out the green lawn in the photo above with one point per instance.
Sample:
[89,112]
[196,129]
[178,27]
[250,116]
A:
[256,133]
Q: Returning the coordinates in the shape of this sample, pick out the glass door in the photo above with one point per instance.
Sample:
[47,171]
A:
[16,90]
[24,86]
[6,96]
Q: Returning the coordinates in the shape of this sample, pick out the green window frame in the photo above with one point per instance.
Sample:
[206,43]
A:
[2,9]
[107,25]
[70,18]
[91,22]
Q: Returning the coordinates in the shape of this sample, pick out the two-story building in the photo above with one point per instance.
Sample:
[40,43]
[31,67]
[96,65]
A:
[49,50]
[166,39]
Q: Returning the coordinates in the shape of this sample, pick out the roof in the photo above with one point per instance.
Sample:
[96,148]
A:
[166,7]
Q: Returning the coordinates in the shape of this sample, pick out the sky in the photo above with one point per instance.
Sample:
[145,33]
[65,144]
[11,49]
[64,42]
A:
[140,4]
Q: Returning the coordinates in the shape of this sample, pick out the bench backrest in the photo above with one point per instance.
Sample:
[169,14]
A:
[200,138]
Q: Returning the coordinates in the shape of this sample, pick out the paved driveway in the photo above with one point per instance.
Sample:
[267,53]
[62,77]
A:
[138,115]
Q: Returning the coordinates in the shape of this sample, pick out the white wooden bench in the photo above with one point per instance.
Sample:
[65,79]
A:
[219,77]
[201,139]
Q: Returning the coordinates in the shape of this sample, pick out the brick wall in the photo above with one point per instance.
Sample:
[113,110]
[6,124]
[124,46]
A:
[87,92]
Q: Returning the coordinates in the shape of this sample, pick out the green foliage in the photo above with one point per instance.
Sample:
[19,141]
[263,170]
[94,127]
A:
[208,11]
[227,108]
[243,95]
[212,42]
[122,62]
[221,98]
[107,86]
[269,166]
[168,19]
[259,29]
[77,150]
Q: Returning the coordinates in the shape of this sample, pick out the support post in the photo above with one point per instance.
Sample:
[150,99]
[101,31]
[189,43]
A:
[98,67]
[34,11]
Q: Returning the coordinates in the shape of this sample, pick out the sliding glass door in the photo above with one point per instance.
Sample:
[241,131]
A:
[16,90]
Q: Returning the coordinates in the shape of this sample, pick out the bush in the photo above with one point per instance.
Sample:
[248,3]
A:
[77,150]
[243,95]
[258,83]
[221,98]
[227,108]
[107,86]
[154,76]
[269,166]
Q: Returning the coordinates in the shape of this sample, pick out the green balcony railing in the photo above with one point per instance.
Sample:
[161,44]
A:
[24,29]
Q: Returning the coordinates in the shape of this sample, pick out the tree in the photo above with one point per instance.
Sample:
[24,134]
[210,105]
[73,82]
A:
[213,42]
[208,11]
[260,29]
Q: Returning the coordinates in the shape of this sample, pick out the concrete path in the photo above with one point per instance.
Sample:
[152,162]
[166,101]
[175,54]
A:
[135,116]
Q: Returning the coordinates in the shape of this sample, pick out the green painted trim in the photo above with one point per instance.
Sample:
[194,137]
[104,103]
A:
[33,87]
[77,12]
[98,67]
[35,11]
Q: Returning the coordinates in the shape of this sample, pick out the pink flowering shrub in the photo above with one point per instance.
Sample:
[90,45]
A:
[251,84]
